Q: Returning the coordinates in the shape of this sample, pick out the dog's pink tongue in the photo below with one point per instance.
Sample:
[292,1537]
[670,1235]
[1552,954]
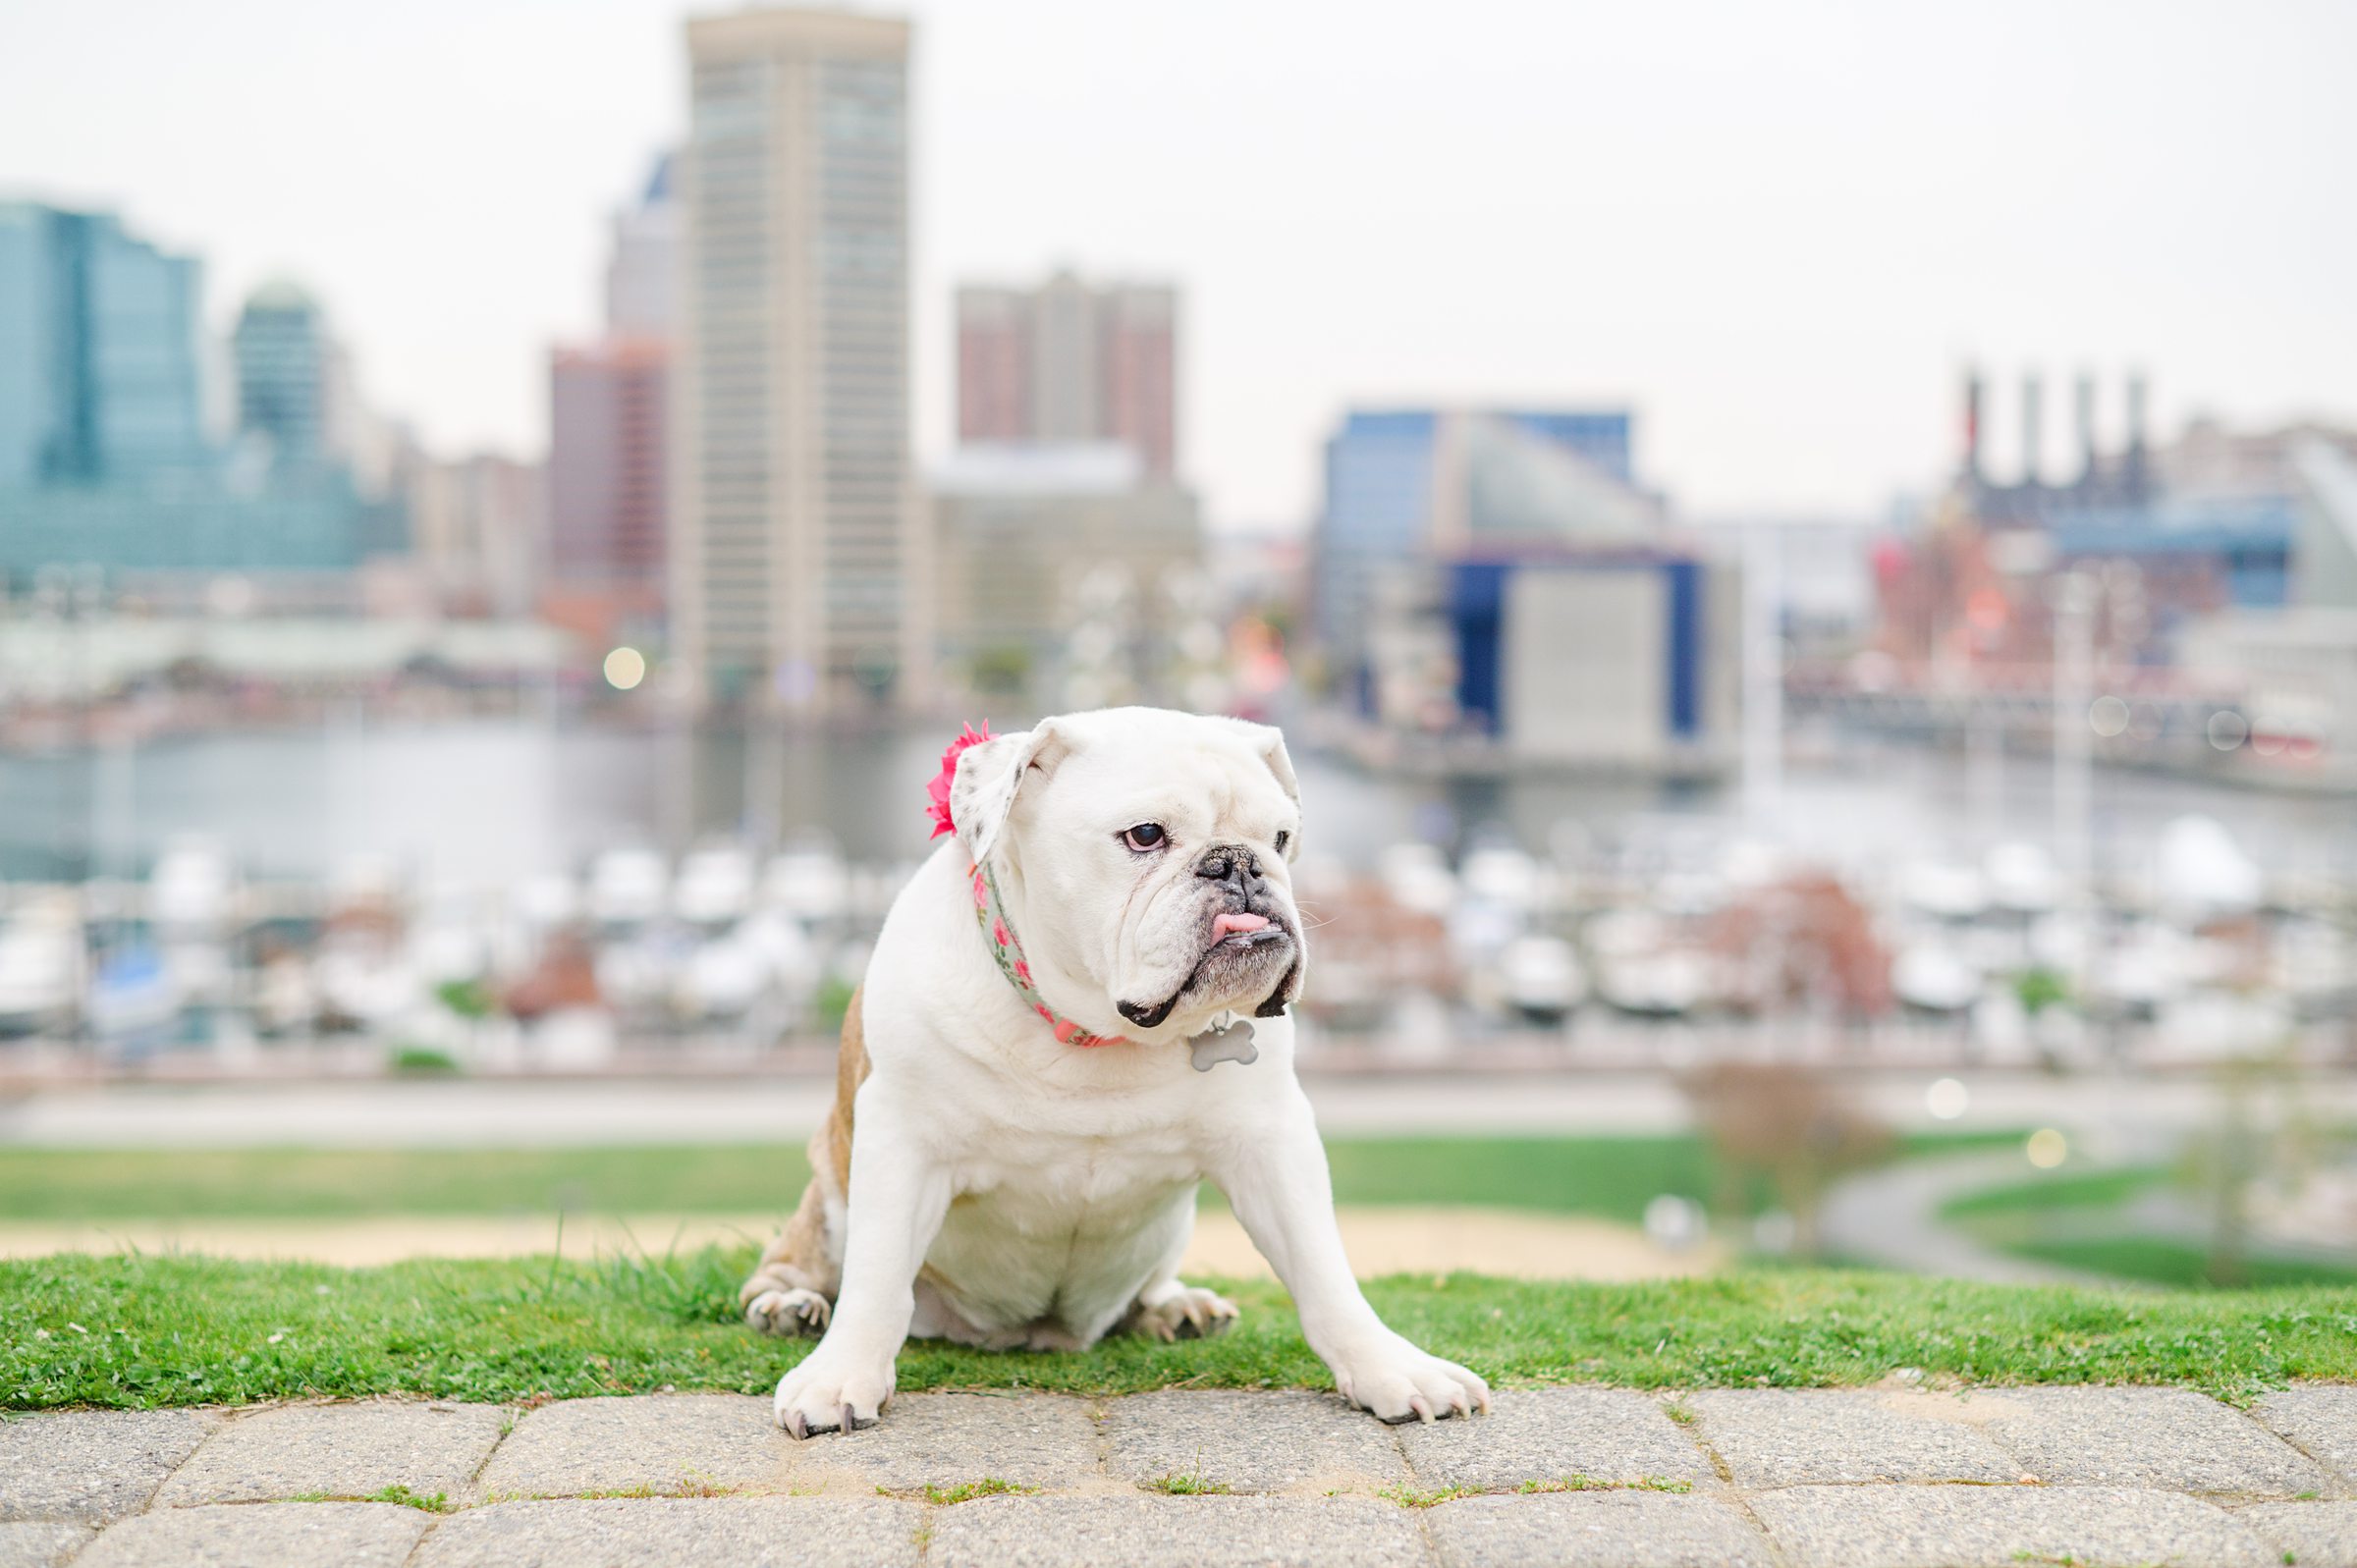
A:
[1229,925]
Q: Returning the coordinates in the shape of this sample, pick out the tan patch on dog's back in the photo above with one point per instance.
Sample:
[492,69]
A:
[850,1071]
[798,1259]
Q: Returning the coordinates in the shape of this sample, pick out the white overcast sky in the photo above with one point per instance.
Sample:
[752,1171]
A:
[1777,231]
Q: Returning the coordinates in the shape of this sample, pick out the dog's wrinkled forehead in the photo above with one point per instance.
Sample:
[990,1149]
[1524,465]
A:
[1123,765]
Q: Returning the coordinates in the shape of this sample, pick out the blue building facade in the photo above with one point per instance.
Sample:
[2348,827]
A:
[2246,542]
[100,370]
[1602,437]
[1479,606]
[1397,481]
[279,347]
[1379,503]
[104,454]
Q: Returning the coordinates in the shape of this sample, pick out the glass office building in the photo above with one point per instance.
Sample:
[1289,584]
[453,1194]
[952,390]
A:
[795,556]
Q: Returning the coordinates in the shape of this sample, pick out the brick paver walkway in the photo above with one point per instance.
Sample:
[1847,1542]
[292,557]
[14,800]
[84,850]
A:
[1193,1480]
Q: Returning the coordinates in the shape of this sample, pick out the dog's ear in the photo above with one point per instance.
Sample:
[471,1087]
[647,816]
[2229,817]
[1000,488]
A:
[989,776]
[1269,742]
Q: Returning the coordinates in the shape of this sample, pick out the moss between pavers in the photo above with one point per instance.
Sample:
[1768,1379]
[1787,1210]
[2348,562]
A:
[435,1502]
[170,1331]
[1408,1496]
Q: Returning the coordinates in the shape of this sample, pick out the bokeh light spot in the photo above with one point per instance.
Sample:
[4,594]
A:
[624,668]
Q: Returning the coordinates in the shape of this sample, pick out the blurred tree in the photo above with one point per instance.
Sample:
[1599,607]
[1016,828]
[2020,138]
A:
[1002,672]
[1787,1125]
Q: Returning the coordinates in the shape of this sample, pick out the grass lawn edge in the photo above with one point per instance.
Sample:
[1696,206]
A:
[157,1330]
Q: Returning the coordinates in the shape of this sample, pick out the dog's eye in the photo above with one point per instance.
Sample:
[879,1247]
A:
[1146,835]
[1285,835]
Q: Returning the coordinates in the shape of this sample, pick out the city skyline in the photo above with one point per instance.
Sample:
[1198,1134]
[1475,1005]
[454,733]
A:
[1784,302]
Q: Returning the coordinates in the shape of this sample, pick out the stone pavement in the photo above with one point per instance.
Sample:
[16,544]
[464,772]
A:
[1181,1478]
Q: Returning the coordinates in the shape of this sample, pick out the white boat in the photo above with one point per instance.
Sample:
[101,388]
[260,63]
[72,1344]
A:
[1641,968]
[2202,875]
[1932,977]
[809,883]
[41,957]
[627,887]
[1419,878]
[720,980]
[2022,878]
[1944,890]
[550,899]
[1502,875]
[1540,978]
[2206,1025]
[190,887]
[132,1002]
[2141,972]
[715,886]
[361,982]
[1666,984]
[2315,964]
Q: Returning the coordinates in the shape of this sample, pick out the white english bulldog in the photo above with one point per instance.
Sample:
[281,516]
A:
[1074,1014]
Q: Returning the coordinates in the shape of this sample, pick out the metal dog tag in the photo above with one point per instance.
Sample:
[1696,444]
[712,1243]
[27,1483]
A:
[1231,1044]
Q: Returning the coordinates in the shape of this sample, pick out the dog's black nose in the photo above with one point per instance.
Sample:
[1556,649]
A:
[1230,863]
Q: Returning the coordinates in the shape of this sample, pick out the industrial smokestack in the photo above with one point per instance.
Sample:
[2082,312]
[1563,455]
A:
[1972,425]
[2032,416]
[2086,429]
[2136,459]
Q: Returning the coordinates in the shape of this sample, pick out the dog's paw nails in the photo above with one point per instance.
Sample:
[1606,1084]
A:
[1189,1314]
[788,1313]
[814,1399]
[1401,1383]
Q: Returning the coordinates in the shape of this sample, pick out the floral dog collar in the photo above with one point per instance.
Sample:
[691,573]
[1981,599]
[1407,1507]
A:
[1010,954]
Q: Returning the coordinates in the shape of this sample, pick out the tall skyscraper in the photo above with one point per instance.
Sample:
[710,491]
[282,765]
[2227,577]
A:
[1070,362]
[99,379]
[796,564]
[606,471]
[281,352]
[608,433]
[642,274]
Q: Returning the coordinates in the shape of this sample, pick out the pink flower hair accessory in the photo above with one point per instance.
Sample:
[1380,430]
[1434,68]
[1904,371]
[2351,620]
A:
[938,791]
[1006,947]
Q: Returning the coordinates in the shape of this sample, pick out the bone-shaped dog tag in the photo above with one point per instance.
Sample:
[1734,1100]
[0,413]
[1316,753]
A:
[1231,1044]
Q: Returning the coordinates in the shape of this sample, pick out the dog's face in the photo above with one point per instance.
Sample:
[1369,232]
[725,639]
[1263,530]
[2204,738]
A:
[1154,852]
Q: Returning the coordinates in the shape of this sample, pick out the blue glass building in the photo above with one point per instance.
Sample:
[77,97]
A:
[104,454]
[1415,483]
[98,353]
[281,352]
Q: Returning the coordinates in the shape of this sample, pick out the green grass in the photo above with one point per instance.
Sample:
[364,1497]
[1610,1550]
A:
[1189,1484]
[351,1183]
[968,1491]
[2160,1260]
[2040,1195]
[144,1330]
[2073,1219]
[1612,1178]
[425,1502]
[1591,1483]
[1408,1496]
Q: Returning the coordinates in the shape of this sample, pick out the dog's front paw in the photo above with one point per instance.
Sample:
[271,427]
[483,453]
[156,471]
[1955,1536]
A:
[1395,1381]
[830,1393]
[1188,1312]
[788,1313]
